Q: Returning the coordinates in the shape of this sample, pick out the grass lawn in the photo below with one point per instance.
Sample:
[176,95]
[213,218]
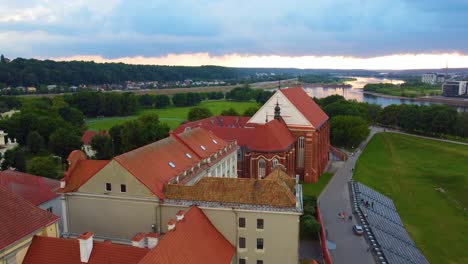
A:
[409,91]
[428,182]
[314,189]
[173,116]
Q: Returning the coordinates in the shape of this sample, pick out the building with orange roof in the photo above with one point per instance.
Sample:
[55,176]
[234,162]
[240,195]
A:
[259,216]
[86,138]
[40,191]
[289,129]
[129,187]
[20,220]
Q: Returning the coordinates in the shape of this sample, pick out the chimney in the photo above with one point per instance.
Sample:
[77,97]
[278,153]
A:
[86,246]
[63,183]
[171,225]
[180,215]
[153,239]
[139,240]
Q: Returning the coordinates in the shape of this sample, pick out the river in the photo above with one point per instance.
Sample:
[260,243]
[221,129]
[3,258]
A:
[355,93]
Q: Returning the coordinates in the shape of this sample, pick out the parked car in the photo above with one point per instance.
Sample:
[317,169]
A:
[358,230]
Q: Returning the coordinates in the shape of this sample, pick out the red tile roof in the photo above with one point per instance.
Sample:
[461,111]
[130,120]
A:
[271,191]
[19,218]
[194,240]
[302,101]
[89,134]
[202,142]
[35,189]
[154,164]
[271,137]
[81,173]
[215,121]
[50,250]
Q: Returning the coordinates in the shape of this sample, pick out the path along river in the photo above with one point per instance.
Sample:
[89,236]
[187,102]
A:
[356,93]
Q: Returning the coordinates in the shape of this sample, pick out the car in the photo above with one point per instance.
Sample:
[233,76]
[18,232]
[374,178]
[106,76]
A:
[358,230]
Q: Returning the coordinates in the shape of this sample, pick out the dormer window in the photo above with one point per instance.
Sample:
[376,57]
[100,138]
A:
[188,155]
[171,164]
[202,147]
[214,141]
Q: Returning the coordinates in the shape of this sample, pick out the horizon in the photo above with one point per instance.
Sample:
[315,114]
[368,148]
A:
[370,35]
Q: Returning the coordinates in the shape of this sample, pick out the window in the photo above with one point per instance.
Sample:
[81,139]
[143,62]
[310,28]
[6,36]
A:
[214,141]
[242,261]
[171,164]
[50,210]
[242,222]
[300,152]
[261,168]
[123,188]
[202,147]
[259,223]
[188,155]
[242,242]
[260,243]
[259,261]
[108,187]
[274,162]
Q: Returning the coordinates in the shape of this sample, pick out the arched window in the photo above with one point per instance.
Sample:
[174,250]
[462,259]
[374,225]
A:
[261,168]
[274,162]
[300,152]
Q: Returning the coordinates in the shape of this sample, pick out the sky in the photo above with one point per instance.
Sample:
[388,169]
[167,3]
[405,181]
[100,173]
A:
[340,34]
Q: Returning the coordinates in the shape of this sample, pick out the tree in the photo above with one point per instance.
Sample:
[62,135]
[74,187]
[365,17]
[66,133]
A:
[72,115]
[250,111]
[146,100]
[102,145]
[116,134]
[263,96]
[162,101]
[34,142]
[14,158]
[179,99]
[43,166]
[63,141]
[230,112]
[197,113]
[309,227]
[348,131]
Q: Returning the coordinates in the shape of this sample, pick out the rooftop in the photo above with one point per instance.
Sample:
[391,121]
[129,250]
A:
[35,189]
[51,250]
[302,101]
[20,218]
[272,191]
[194,240]
[89,134]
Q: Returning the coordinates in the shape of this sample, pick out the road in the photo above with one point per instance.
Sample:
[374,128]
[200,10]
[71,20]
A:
[334,199]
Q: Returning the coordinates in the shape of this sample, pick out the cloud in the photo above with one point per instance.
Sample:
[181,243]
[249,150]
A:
[297,28]
[393,62]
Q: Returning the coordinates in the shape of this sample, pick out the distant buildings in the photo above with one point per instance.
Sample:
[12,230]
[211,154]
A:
[433,78]
[455,89]
[88,135]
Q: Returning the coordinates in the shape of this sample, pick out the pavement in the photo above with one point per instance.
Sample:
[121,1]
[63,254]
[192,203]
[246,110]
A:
[335,199]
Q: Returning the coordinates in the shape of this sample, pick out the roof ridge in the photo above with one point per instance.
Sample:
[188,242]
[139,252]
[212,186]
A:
[172,134]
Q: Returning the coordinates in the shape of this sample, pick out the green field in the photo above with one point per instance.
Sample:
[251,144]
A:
[428,182]
[407,91]
[314,189]
[173,116]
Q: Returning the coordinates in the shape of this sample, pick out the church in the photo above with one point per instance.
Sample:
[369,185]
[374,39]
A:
[289,130]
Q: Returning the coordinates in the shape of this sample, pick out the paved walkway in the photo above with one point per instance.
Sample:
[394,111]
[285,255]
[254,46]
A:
[334,199]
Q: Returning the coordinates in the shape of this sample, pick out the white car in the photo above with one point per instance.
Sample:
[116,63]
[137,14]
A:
[358,230]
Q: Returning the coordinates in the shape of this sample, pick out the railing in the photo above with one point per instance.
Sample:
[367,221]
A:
[323,238]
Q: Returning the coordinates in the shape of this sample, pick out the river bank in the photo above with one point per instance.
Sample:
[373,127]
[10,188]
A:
[429,99]
[328,85]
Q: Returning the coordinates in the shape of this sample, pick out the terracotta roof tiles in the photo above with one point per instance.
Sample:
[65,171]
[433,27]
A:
[267,192]
[50,250]
[35,189]
[20,218]
[302,101]
[194,240]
